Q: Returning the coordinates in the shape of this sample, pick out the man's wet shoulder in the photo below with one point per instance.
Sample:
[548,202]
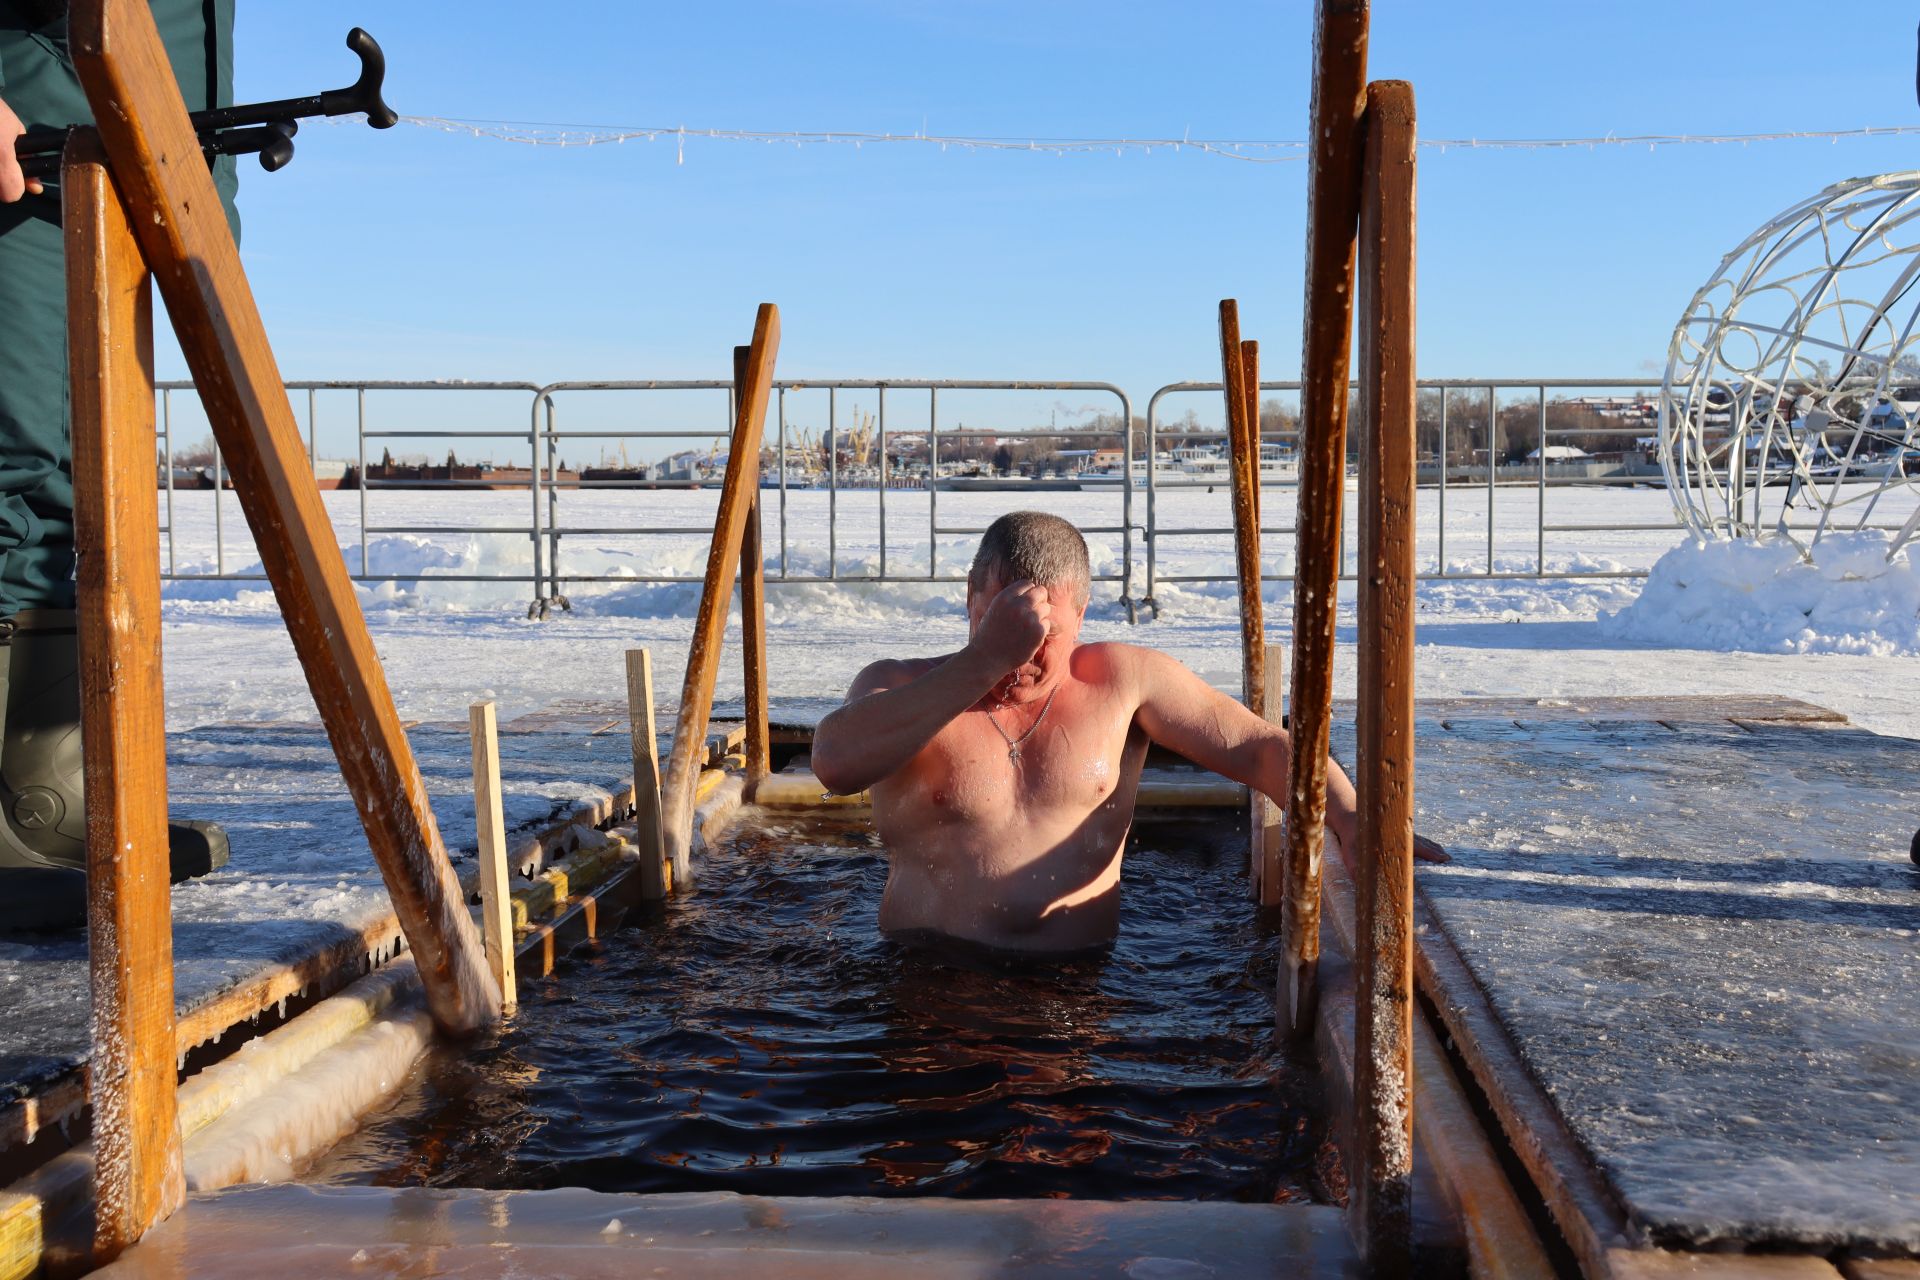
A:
[1107,659]
[888,673]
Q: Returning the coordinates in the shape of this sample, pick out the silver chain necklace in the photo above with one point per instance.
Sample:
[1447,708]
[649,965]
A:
[1013,744]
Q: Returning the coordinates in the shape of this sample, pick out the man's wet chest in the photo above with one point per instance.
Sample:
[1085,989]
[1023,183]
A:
[978,768]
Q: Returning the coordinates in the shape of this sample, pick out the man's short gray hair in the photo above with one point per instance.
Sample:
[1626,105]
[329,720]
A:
[1036,546]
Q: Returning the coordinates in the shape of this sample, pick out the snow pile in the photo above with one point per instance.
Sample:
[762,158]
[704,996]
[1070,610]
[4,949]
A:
[1763,597]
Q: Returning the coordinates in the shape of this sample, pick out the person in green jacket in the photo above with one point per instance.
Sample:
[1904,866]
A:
[42,829]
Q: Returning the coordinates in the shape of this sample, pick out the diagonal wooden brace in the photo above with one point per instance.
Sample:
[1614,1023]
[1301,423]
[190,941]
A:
[156,163]
[739,493]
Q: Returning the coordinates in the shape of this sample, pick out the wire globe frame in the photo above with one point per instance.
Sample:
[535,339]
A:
[1792,389]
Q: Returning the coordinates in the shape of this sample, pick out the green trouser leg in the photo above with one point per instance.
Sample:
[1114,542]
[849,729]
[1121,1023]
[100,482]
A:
[37,81]
[42,843]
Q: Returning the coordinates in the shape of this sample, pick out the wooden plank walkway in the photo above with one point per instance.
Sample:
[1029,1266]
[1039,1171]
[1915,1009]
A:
[1697,929]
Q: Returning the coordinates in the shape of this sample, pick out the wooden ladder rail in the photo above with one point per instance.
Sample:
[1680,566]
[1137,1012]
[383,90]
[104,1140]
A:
[1333,203]
[739,496]
[758,747]
[139,200]
[136,1130]
[1384,1005]
[1240,383]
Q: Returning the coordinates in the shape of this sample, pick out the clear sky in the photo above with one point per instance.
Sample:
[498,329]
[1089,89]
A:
[419,254]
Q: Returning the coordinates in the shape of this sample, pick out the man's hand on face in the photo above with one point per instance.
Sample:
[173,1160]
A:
[12,184]
[1015,626]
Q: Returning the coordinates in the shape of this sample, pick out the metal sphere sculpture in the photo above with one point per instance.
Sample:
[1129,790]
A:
[1792,389]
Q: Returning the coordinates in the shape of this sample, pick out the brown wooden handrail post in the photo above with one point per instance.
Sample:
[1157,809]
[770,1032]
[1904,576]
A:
[154,158]
[1383,1034]
[116,521]
[1250,381]
[1333,198]
[738,493]
[1266,814]
[753,611]
[1244,466]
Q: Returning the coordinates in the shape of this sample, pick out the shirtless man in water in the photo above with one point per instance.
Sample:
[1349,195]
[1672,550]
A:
[1003,776]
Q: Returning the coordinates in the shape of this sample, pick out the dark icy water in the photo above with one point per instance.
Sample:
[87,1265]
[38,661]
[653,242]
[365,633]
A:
[761,1036]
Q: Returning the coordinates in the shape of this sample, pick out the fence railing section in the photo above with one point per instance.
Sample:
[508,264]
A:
[1465,437]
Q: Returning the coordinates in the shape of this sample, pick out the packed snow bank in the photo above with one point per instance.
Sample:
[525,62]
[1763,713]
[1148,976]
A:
[1763,597]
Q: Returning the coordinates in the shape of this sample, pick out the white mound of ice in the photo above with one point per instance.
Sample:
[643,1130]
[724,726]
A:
[1764,597]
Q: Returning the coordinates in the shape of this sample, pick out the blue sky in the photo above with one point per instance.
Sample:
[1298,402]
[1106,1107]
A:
[413,253]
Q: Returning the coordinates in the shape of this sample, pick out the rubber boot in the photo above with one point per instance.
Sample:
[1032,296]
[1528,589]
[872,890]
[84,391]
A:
[43,832]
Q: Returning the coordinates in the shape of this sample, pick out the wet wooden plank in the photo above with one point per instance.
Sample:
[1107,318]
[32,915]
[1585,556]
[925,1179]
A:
[753,613]
[496,909]
[1270,846]
[647,816]
[1333,216]
[1559,1167]
[1383,774]
[116,520]
[1244,452]
[176,214]
[1880,1269]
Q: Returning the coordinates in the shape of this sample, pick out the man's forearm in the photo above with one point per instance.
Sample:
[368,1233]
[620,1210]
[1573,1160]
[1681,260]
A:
[872,737]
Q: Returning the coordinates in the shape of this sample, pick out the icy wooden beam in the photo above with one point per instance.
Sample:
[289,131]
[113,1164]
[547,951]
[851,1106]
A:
[1266,814]
[136,1130]
[753,610]
[646,775]
[1250,382]
[1383,1034]
[1243,452]
[489,819]
[1333,199]
[738,493]
[155,160]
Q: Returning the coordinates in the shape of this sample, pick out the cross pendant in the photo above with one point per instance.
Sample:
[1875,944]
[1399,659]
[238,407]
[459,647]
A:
[1013,755]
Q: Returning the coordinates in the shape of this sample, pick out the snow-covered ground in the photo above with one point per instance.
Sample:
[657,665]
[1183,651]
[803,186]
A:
[447,644]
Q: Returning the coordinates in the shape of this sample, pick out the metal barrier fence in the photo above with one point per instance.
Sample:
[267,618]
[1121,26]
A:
[1445,466]
[1138,493]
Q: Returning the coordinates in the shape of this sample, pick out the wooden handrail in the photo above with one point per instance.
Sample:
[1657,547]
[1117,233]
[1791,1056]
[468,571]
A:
[1383,1034]
[153,155]
[1333,197]
[753,613]
[1240,384]
[738,494]
[136,1129]
[1243,452]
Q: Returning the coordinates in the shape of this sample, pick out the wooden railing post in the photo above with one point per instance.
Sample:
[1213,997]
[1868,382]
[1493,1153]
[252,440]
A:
[1250,382]
[1243,454]
[753,611]
[1333,198]
[1266,814]
[153,154]
[738,493]
[136,1130]
[646,775]
[489,820]
[1383,1034]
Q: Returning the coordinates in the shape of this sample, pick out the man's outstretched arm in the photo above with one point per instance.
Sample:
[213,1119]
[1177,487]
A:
[891,715]
[1185,714]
